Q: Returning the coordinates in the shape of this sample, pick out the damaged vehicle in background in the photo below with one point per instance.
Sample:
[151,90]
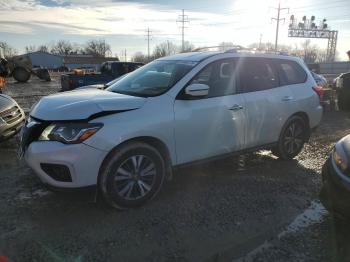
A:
[12,117]
[108,72]
[101,86]
[177,110]
[335,193]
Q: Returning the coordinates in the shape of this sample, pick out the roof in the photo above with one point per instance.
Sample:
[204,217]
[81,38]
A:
[42,52]
[81,59]
[200,56]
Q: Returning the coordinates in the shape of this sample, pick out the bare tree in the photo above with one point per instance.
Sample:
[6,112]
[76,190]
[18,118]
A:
[140,57]
[165,49]
[98,48]
[7,50]
[188,47]
[30,48]
[43,48]
[62,47]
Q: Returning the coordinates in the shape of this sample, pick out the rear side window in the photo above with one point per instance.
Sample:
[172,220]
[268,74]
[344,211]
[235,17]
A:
[291,73]
[257,74]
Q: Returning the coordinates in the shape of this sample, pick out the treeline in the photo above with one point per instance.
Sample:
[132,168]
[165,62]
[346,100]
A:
[163,49]
[94,47]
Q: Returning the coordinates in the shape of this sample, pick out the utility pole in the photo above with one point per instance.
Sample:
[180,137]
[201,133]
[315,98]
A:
[183,19]
[124,54]
[278,19]
[149,36]
[260,41]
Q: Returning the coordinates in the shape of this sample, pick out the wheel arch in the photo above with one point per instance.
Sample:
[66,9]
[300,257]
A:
[306,119]
[152,141]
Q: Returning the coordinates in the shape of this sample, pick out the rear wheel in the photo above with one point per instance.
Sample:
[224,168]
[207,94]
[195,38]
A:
[292,138]
[132,175]
[20,74]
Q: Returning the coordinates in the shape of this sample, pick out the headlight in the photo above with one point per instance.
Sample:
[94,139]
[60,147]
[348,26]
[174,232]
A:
[340,160]
[69,133]
[2,121]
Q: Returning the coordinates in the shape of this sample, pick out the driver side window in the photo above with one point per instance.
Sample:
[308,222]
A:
[219,76]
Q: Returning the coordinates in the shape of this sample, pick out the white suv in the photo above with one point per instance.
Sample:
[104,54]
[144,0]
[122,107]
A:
[174,111]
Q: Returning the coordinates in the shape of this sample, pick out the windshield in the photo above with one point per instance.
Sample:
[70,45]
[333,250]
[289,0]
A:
[153,79]
[115,80]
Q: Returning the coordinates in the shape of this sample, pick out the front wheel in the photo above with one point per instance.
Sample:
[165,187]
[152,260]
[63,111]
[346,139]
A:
[132,175]
[292,138]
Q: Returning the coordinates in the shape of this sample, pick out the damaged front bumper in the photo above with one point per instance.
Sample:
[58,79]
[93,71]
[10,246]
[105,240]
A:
[335,192]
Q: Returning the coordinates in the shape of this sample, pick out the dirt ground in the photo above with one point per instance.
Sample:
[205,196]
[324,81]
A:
[267,211]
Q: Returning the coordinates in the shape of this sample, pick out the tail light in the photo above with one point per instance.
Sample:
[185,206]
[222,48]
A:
[319,91]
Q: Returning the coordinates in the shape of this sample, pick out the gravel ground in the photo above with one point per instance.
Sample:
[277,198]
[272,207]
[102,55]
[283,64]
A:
[212,212]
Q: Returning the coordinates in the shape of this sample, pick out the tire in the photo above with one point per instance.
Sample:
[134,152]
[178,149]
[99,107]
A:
[131,175]
[20,74]
[292,138]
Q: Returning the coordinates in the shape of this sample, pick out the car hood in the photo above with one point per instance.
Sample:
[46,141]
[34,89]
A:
[6,102]
[83,104]
[97,86]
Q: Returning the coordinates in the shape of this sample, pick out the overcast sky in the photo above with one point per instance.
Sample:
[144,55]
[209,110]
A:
[123,23]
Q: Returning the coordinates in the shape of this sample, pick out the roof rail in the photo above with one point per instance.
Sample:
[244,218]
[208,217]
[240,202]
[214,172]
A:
[218,46]
[238,48]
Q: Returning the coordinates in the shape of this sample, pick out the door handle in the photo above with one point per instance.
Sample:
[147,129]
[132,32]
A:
[287,98]
[236,108]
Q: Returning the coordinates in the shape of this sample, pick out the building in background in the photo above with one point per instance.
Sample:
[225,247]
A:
[51,61]
[45,60]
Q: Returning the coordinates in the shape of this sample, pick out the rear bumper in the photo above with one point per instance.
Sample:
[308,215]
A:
[335,192]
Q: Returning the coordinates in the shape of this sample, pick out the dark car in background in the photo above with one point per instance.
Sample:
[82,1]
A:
[12,117]
[335,193]
[342,86]
[109,71]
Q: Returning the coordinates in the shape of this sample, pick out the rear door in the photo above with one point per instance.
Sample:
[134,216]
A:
[267,103]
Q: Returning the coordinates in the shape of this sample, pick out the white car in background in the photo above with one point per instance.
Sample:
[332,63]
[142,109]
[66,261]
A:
[174,111]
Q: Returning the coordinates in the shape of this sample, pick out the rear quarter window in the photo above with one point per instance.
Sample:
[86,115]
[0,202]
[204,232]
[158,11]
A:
[291,73]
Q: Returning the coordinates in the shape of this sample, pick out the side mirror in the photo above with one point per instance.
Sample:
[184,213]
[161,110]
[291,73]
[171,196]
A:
[197,90]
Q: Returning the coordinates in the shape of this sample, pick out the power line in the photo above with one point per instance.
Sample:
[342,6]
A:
[278,19]
[183,19]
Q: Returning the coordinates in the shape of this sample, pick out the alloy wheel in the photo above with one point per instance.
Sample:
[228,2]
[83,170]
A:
[294,137]
[135,177]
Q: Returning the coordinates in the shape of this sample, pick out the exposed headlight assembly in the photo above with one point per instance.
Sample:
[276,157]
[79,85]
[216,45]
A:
[2,121]
[340,160]
[69,133]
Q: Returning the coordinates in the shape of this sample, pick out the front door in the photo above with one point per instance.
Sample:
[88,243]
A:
[212,125]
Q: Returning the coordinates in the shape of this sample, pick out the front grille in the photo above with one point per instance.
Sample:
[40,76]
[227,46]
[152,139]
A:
[59,173]
[11,115]
[31,132]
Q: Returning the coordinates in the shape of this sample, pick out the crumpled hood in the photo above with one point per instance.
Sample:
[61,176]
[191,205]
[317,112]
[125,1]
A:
[82,104]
